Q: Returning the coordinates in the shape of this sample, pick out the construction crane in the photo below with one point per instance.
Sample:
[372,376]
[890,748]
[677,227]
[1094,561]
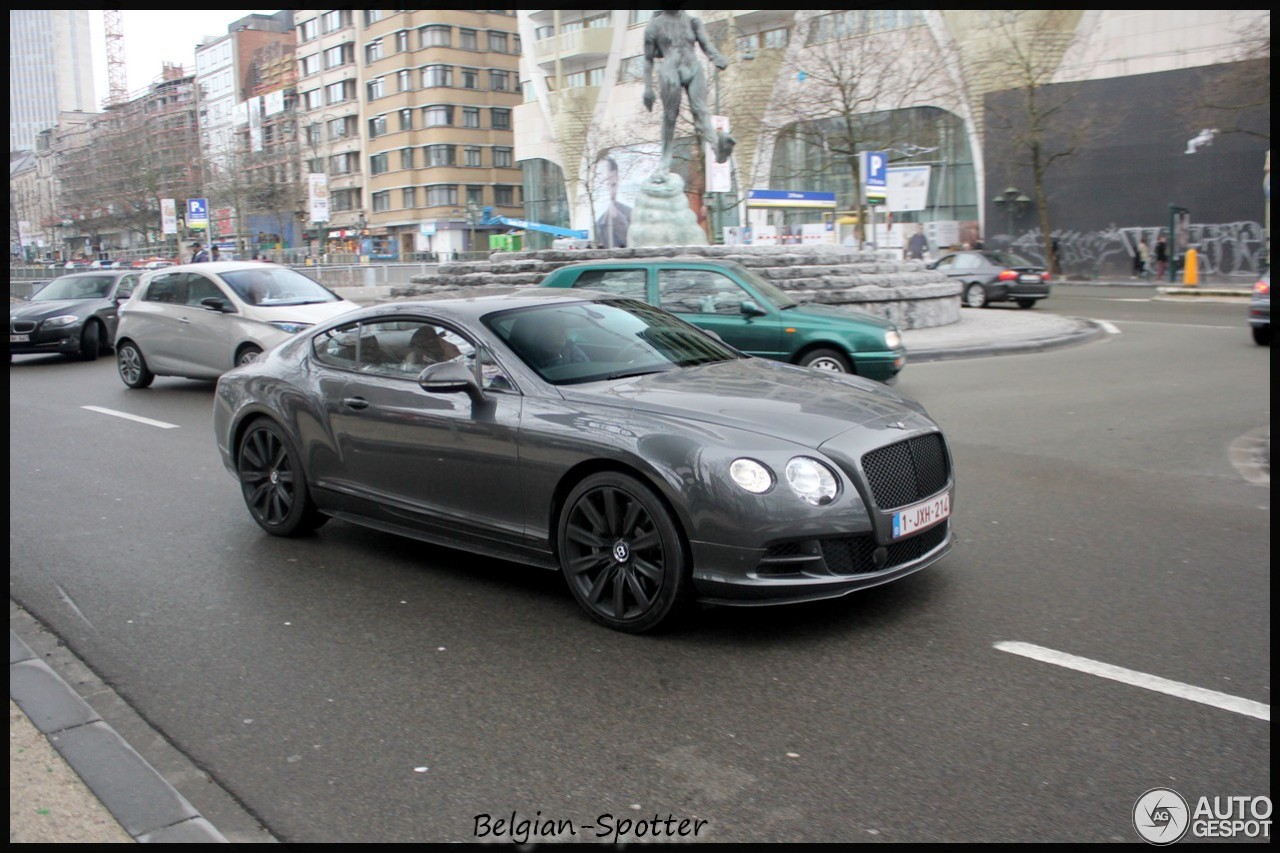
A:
[117,80]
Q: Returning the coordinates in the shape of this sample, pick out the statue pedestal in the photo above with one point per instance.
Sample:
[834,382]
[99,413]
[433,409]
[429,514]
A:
[662,216]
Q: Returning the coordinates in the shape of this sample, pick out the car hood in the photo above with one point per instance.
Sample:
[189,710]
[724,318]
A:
[52,308]
[315,312]
[828,312]
[761,396]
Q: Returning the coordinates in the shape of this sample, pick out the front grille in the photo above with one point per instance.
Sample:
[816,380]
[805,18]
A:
[22,327]
[907,471]
[846,555]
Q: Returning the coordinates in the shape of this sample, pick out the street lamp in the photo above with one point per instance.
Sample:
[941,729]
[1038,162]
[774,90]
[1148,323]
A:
[1013,201]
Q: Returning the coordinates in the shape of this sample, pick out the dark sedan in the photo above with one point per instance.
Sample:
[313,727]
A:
[74,314]
[650,463]
[990,275]
[1260,310]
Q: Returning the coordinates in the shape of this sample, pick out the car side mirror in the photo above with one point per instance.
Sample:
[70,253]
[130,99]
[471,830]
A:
[215,303]
[750,308]
[450,377]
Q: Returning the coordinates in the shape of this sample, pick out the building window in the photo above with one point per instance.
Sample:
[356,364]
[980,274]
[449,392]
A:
[404,80]
[341,128]
[372,16]
[468,39]
[499,81]
[435,36]
[475,196]
[402,41]
[410,197]
[406,158]
[336,57]
[313,135]
[439,115]
[470,78]
[441,155]
[333,21]
[374,89]
[406,119]
[639,16]
[471,155]
[631,69]
[437,75]
[497,42]
[500,118]
[470,116]
[442,195]
[378,164]
[343,164]
[308,30]
[309,65]
[345,200]
[372,52]
[381,201]
[504,196]
[312,100]
[377,126]
[503,158]
[336,93]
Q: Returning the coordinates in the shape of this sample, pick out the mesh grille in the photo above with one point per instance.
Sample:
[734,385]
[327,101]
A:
[851,555]
[907,471]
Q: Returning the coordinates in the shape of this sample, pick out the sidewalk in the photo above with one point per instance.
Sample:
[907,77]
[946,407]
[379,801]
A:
[73,778]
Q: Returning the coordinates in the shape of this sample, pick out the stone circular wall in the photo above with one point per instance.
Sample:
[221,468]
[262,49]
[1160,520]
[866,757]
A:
[876,282]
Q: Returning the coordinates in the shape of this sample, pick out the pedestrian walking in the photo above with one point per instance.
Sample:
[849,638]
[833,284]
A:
[1161,256]
[917,244]
[1141,258]
[198,254]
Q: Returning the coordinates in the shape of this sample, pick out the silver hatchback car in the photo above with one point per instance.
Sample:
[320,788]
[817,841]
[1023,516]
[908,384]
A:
[201,320]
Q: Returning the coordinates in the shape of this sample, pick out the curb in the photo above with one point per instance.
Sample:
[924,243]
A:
[145,805]
[1085,330]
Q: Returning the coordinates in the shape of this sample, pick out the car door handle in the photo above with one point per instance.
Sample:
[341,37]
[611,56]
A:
[355,402]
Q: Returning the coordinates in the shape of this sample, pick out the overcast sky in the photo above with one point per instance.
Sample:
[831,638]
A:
[153,38]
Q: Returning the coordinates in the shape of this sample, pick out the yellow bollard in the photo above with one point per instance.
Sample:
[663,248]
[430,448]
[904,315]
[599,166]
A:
[1191,269]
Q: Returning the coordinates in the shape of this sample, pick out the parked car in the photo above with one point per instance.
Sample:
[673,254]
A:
[647,461]
[200,320]
[991,275]
[1260,310]
[751,313]
[74,314]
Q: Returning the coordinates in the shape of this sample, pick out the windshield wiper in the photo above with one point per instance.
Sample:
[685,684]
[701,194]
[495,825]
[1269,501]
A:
[638,371]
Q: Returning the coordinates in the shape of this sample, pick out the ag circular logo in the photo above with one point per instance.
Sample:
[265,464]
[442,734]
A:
[1161,816]
[621,551]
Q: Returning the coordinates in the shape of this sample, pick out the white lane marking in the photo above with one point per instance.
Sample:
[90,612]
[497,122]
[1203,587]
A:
[129,417]
[1140,679]
[1109,328]
[1177,325]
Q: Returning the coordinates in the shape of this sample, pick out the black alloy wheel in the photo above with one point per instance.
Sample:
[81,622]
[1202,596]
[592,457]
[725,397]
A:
[621,553]
[247,355]
[90,341]
[274,487]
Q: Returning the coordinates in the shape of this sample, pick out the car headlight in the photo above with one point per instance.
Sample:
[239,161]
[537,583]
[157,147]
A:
[61,320]
[751,476]
[892,339]
[291,328]
[812,481]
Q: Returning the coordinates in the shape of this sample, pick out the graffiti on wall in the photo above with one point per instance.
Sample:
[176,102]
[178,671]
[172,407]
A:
[1228,249]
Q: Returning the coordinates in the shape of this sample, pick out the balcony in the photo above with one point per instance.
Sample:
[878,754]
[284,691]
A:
[586,44]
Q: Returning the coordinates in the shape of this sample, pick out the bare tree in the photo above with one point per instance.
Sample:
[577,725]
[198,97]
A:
[1030,115]
[1236,96]
[843,92]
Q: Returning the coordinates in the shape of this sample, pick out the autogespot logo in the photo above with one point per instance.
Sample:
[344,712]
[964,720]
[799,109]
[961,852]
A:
[1161,816]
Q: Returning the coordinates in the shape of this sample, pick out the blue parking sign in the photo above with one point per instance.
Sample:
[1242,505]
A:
[197,208]
[875,176]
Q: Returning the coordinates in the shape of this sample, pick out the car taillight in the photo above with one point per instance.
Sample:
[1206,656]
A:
[1044,276]
[1008,275]
[1262,288]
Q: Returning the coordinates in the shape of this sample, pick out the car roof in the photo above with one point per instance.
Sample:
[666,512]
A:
[679,263]
[473,307]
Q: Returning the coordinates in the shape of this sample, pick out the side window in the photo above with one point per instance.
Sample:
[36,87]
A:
[337,347]
[199,287]
[127,284]
[947,263]
[168,288]
[968,262]
[402,349]
[699,292]
[622,282]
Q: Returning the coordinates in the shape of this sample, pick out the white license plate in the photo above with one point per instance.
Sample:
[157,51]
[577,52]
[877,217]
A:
[19,339]
[1029,279]
[919,516]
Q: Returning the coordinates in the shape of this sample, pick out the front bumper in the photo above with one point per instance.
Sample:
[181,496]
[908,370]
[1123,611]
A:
[26,338]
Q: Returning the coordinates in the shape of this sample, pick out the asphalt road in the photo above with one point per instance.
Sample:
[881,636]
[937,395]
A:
[359,687]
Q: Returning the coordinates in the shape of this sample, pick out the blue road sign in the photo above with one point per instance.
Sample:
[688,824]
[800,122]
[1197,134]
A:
[875,176]
[197,208]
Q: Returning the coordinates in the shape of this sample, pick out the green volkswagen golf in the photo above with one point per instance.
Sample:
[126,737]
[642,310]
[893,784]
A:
[750,313]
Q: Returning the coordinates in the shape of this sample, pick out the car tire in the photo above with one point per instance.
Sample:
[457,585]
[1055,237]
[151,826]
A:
[975,296]
[247,354]
[1262,335]
[90,341]
[1027,303]
[826,359]
[133,367]
[622,554]
[272,481]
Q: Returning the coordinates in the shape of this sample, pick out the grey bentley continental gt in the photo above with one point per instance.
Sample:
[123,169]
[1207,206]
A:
[646,460]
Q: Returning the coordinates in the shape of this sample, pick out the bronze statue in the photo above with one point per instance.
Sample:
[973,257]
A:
[673,36]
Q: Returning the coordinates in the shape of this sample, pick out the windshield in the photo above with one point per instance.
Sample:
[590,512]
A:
[270,285]
[76,287]
[575,342]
